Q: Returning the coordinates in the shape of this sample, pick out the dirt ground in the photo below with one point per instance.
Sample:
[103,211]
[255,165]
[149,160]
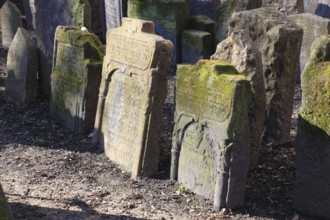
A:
[51,173]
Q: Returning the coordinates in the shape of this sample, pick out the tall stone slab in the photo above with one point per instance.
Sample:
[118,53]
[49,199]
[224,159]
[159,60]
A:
[5,212]
[22,68]
[49,15]
[115,10]
[170,18]
[211,138]
[239,50]
[76,78]
[313,137]
[30,12]
[10,21]
[314,26]
[132,93]
[97,8]
[279,41]
[227,8]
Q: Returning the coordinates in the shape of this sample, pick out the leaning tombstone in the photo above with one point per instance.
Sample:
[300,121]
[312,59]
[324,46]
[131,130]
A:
[22,69]
[239,50]
[211,138]
[314,26]
[132,93]
[49,15]
[5,212]
[76,78]
[10,18]
[279,41]
[170,18]
[313,135]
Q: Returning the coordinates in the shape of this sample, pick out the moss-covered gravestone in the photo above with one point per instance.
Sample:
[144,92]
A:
[10,21]
[22,68]
[313,138]
[5,213]
[211,139]
[196,45]
[132,93]
[76,78]
[279,41]
[170,18]
[314,26]
[239,50]
[49,15]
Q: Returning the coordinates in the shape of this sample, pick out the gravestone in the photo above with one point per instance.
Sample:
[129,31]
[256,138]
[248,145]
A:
[5,212]
[10,18]
[29,11]
[115,10]
[132,93]
[279,41]
[211,144]
[240,51]
[170,18]
[201,23]
[22,68]
[227,8]
[313,26]
[287,7]
[313,135]
[49,15]
[76,78]
[97,17]
[196,45]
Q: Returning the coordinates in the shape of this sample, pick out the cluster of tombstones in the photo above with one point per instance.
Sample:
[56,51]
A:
[236,91]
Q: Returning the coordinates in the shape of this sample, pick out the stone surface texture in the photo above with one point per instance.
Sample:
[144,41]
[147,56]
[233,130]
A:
[49,15]
[240,51]
[279,41]
[314,26]
[22,69]
[76,78]
[313,138]
[211,138]
[10,21]
[170,18]
[115,10]
[132,93]
[196,45]
[286,6]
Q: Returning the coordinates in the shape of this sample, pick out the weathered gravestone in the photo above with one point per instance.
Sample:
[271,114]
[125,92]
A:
[170,18]
[22,68]
[196,45]
[239,50]
[285,6]
[227,8]
[115,10]
[5,212]
[279,41]
[49,15]
[313,26]
[76,78]
[211,139]
[132,93]
[313,137]
[201,23]
[10,18]
[30,12]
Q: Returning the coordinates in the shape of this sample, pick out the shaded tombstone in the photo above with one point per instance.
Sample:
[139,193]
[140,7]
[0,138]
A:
[279,41]
[22,68]
[285,6]
[211,144]
[76,78]
[170,18]
[240,51]
[115,10]
[227,8]
[5,212]
[132,93]
[10,21]
[97,8]
[204,7]
[49,15]
[29,11]
[313,135]
[196,45]
[313,26]
[201,23]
